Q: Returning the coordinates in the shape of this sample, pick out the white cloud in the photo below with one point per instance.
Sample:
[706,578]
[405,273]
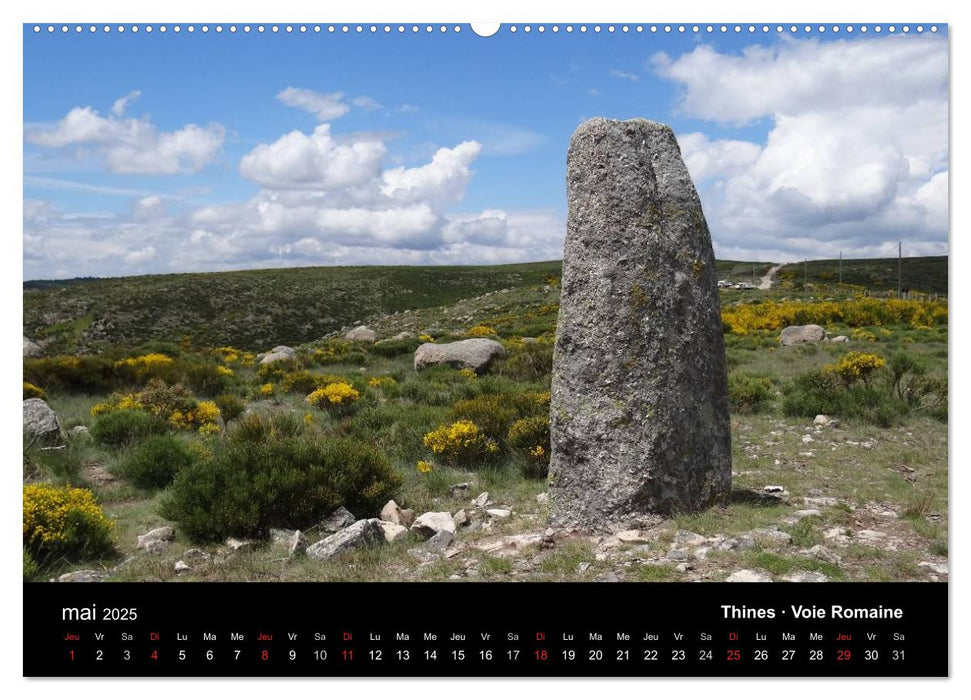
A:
[133,146]
[440,181]
[406,108]
[313,162]
[151,207]
[325,107]
[366,103]
[121,104]
[625,76]
[856,151]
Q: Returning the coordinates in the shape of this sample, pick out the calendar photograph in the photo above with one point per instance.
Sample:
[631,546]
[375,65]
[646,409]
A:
[450,304]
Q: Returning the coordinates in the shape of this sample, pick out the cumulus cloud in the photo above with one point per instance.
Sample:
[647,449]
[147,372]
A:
[633,77]
[121,104]
[856,151]
[366,103]
[133,146]
[440,181]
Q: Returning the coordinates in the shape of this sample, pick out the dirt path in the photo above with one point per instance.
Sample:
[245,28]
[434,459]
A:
[769,278]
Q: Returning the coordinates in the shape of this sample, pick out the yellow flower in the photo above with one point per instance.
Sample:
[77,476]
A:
[378,382]
[537,452]
[267,389]
[468,373]
[460,439]
[335,394]
[308,418]
[425,338]
[480,331]
[424,467]
[208,429]
[224,371]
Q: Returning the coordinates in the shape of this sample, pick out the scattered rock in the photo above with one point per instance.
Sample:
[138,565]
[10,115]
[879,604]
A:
[481,500]
[393,513]
[689,539]
[821,420]
[835,533]
[83,576]
[338,520]
[78,432]
[609,577]
[820,502]
[796,335]
[806,577]
[361,334]
[281,536]
[937,567]
[542,498]
[458,490]
[499,512]
[634,536]
[807,513]
[476,354]
[40,422]
[771,536]
[280,352]
[403,335]
[239,545]
[839,339]
[583,566]
[823,554]
[429,524]
[677,555]
[509,544]
[461,518]
[31,349]
[440,541]
[196,556]
[162,535]
[870,535]
[742,542]
[181,567]
[297,544]
[749,576]
[393,531]
[359,534]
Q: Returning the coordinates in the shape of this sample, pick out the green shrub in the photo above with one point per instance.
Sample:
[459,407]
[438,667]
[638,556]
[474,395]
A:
[813,393]
[80,375]
[33,392]
[206,378]
[30,566]
[125,425]
[491,413]
[749,393]
[275,371]
[230,406]
[154,463]
[63,523]
[271,473]
[530,439]
[393,348]
[527,362]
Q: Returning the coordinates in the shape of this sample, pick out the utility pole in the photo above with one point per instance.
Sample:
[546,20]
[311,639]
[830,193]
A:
[841,267]
[805,272]
[900,255]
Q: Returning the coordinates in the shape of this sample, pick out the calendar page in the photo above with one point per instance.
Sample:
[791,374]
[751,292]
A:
[448,349]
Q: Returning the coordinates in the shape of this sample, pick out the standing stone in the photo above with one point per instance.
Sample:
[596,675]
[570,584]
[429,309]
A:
[639,412]
[40,421]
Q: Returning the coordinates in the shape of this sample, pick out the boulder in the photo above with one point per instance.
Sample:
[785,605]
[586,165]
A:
[403,335]
[83,576]
[429,524]
[31,349]
[476,354]
[639,411]
[280,352]
[393,513]
[796,335]
[159,536]
[338,520]
[749,576]
[361,533]
[393,532]
[361,334]
[40,421]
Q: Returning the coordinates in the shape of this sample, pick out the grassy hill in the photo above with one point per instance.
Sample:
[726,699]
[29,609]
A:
[258,309]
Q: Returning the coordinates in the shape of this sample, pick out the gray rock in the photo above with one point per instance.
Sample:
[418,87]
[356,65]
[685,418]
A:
[297,543]
[458,490]
[476,354]
[239,545]
[742,542]
[392,531]
[361,533]
[689,539]
[430,524]
[499,512]
[940,568]
[281,536]
[83,576]
[749,576]
[806,577]
[609,577]
[440,541]
[361,334]
[839,339]
[31,349]
[639,415]
[280,352]
[403,335]
[196,556]
[181,567]
[481,500]
[797,335]
[461,518]
[40,422]
[161,535]
[677,555]
[823,554]
[770,536]
[542,498]
[393,513]
[78,432]
[821,420]
[338,520]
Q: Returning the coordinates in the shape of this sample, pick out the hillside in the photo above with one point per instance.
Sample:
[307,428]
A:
[258,309]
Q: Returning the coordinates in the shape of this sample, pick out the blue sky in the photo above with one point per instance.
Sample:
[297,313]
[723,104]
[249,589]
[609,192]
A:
[176,152]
